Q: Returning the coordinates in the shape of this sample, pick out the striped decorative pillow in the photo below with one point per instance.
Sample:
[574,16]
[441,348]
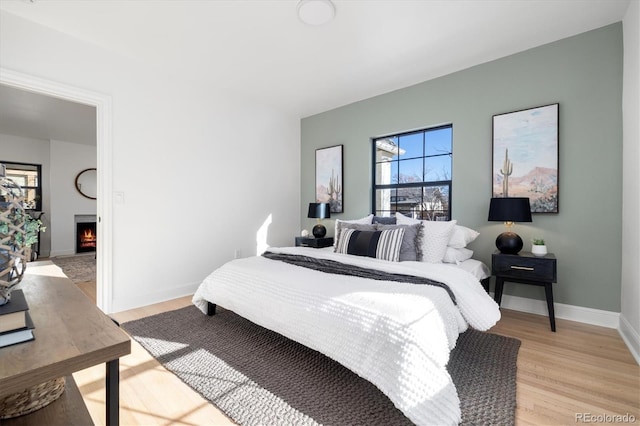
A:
[383,245]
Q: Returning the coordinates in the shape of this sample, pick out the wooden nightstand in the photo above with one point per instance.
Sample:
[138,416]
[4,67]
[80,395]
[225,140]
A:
[526,268]
[314,242]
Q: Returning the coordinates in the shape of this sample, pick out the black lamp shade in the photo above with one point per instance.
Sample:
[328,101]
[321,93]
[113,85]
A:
[515,209]
[319,211]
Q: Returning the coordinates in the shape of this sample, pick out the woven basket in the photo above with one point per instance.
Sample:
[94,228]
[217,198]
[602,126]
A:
[31,399]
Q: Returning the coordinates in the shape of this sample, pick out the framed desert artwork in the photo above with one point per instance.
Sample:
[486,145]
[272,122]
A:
[525,156]
[329,182]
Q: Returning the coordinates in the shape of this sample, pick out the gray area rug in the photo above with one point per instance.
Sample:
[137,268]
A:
[77,268]
[258,377]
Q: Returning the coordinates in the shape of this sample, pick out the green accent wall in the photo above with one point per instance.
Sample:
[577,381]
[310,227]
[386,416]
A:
[584,75]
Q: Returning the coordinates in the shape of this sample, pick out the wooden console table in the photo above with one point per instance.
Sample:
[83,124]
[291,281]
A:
[71,334]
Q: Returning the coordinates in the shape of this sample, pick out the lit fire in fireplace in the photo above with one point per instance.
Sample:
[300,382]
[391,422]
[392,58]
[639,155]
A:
[88,239]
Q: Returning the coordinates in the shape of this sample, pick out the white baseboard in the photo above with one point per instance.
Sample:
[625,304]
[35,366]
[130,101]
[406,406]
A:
[574,313]
[135,301]
[631,337]
[62,253]
[580,314]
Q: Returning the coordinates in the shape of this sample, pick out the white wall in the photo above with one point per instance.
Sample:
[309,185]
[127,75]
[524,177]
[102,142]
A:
[630,315]
[34,151]
[200,169]
[67,160]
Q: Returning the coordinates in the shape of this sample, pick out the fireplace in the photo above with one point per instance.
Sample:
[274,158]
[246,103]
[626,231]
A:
[86,237]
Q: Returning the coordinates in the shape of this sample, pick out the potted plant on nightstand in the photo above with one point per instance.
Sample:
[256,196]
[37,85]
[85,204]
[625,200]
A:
[538,247]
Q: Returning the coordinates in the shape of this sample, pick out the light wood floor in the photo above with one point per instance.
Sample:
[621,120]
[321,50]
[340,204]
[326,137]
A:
[581,370]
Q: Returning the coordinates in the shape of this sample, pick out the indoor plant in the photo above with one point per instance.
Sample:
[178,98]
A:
[538,247]
[18,231]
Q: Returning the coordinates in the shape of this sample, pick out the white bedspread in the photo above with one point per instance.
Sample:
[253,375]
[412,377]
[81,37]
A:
[396,335]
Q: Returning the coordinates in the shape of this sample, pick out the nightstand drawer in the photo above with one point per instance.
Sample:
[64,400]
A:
[524,266]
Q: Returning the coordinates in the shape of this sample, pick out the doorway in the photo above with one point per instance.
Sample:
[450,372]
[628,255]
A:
[102,103]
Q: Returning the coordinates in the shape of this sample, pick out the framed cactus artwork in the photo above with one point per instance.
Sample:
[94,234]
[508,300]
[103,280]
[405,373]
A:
[329,182]
[525,156]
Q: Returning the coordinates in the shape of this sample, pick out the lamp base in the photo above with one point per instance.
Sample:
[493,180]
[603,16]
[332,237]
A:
[509,243]
[319,231]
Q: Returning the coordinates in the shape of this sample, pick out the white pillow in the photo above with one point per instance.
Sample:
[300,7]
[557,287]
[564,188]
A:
[435,236]
[367,220]
[455,255]
[462,236]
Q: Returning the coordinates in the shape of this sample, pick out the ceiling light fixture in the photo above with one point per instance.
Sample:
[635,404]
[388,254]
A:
[316,12]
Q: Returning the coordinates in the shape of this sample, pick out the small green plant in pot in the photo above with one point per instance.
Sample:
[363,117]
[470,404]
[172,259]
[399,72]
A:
[538,247]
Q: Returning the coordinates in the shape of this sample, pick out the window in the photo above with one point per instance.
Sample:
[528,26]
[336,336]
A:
[412,174]
[28,176]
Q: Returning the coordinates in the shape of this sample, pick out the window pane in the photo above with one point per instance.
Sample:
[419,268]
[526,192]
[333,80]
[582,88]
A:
[19,179]
[387,149]
[437,168]
[408,200]
[438,141]
[27,176]
[410,171]
[385,172]
[436,203]
[383,199]
[411,145]
[30,198]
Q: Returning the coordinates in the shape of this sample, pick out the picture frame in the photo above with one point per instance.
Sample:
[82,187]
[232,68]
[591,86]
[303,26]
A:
[329,179]
[525,156]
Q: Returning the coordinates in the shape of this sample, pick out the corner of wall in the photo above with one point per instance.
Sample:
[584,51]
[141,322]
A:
[631,337]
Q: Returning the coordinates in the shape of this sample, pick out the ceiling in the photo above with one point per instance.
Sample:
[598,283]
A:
[260,49]
[37,116]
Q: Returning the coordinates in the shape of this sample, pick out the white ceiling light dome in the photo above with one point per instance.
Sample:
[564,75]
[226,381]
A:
[316,12]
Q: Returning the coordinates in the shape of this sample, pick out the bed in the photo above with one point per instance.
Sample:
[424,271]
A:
[393,323]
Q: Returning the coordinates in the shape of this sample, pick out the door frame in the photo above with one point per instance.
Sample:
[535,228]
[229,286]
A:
[104,202]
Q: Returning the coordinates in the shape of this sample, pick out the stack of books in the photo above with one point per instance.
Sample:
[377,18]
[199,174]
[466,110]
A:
[16,325]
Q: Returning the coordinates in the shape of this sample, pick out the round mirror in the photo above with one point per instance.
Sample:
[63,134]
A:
[87,183]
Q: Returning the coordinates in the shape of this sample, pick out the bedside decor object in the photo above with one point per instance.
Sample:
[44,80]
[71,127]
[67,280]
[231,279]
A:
[304,233]
[525,156]
[319,211]
[509,210]
[538,247]
[329,183]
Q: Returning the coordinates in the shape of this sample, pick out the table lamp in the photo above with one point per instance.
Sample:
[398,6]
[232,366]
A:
[509,210]
[319,211]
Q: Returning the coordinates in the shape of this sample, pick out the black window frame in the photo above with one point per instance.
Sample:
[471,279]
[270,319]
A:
[444,214]
[19,165]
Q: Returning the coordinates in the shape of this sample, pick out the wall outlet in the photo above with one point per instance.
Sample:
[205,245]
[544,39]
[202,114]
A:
[237,254]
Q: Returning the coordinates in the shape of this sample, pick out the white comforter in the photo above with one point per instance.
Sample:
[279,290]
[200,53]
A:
[396,335]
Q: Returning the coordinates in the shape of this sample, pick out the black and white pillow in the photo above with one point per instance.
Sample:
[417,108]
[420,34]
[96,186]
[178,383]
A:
[347,225]
[383,245]
[411,248]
